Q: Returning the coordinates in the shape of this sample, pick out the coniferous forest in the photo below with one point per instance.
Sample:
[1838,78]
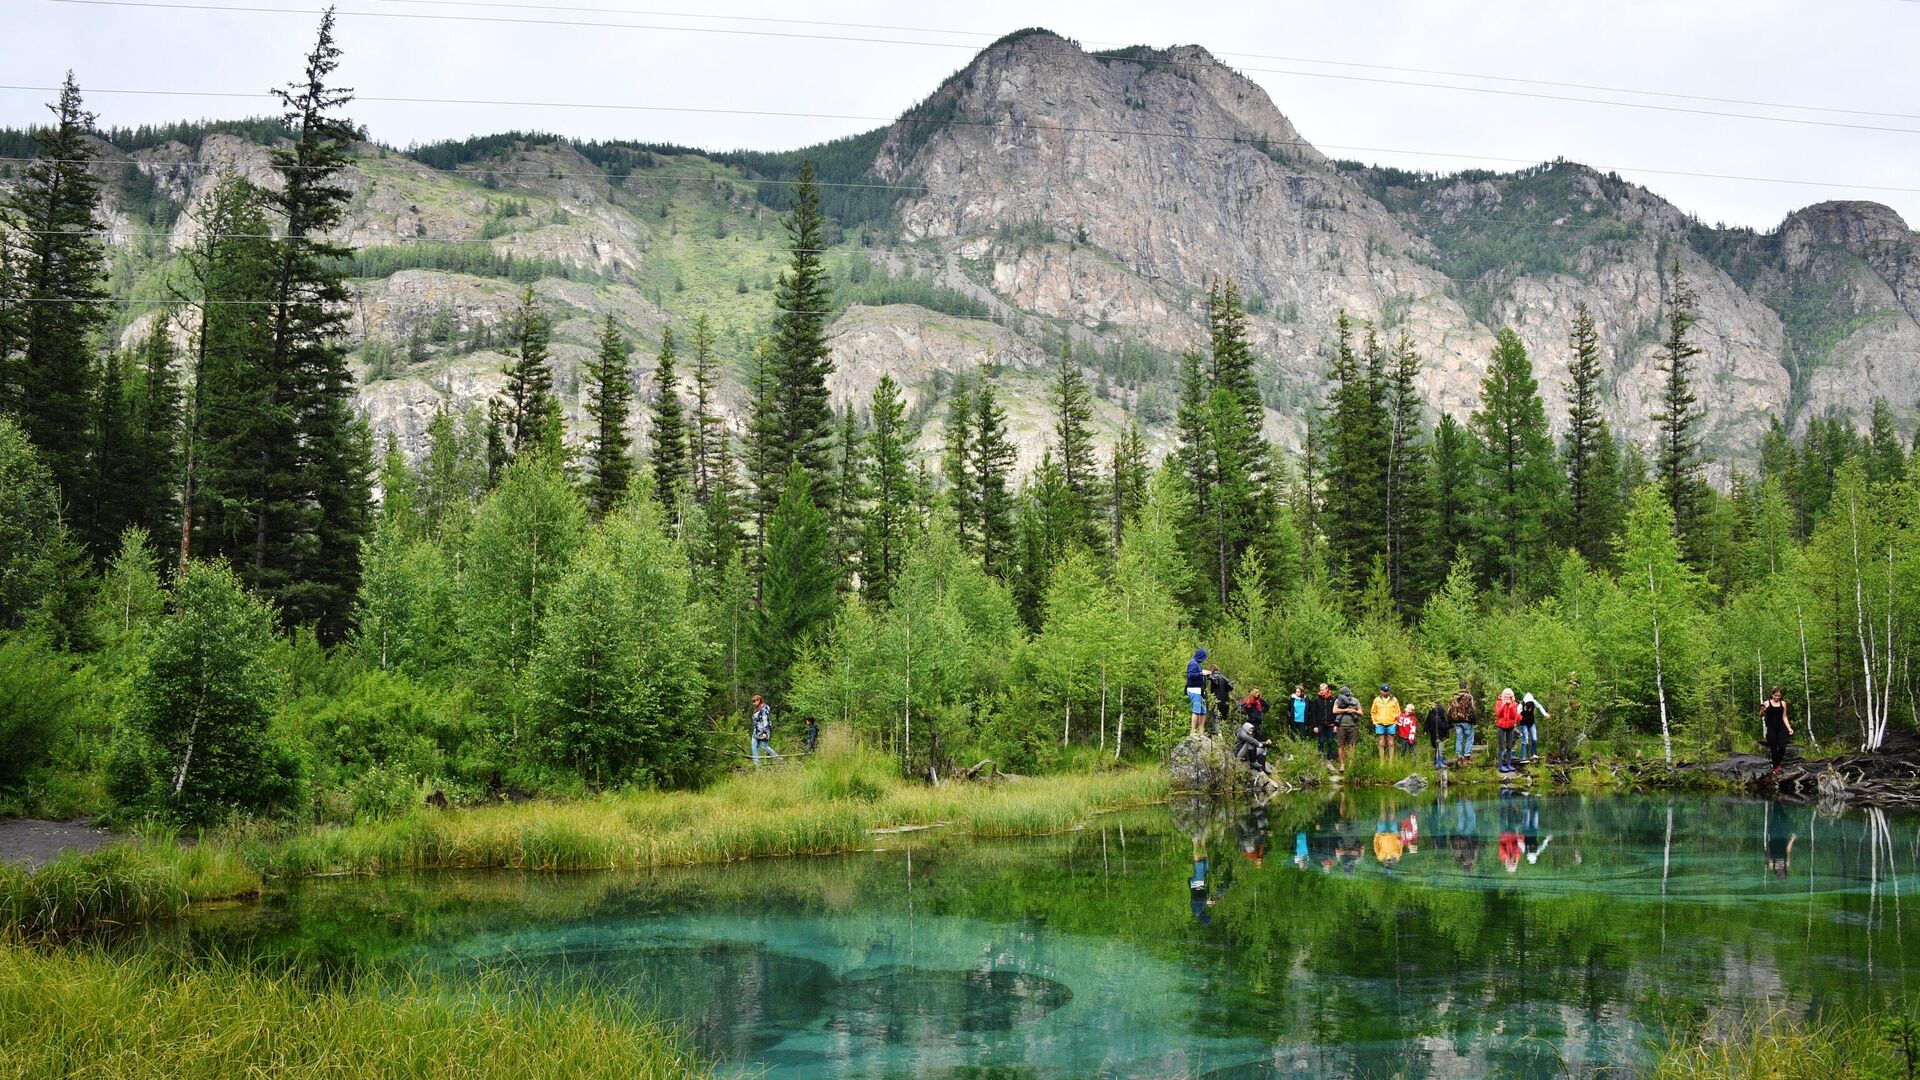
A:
[218,597]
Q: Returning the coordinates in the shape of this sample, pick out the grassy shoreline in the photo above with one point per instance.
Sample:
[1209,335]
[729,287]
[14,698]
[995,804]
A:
[119,1016]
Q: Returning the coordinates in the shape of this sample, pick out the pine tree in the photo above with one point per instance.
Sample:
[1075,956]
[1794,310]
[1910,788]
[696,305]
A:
[1517,470]
[798,586]
[888,485]
[801,359]
[763,460]
[709,432]
[1357,439]
[1592,509]
[527,405]
[60,269]
[609,399]
[113,482]
[1228,466]
[1453,475]
[308,557]
[1129,474]
[1677,440]
[669,437]
[1073,451]
[1886,459]
[991,472]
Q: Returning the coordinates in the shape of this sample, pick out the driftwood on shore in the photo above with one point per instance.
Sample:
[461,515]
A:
[1889,776]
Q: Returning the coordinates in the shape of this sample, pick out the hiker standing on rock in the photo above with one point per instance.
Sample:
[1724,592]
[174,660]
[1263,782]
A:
[1773,719]
[1197,690]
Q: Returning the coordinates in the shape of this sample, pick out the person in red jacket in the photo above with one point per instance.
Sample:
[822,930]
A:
[1506,717]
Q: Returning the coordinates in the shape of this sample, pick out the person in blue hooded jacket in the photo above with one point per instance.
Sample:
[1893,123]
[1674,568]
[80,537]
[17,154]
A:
[1197,690]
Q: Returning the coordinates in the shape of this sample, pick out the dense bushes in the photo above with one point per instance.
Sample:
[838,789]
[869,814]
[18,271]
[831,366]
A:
[39,693]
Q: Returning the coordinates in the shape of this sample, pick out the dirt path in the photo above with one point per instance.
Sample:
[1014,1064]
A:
[34,843]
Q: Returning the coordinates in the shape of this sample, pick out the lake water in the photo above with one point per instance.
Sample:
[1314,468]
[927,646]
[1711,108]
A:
[1366,935]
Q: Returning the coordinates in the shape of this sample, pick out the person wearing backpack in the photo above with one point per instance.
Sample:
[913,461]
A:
[1461,714]
[1438,724]
[1506,717]
[1531,712]
[1221,688]
[1346,717]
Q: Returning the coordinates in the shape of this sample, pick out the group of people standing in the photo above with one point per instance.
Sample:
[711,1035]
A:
[1333,719]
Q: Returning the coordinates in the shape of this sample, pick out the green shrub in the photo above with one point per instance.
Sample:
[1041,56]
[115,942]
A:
[38,695]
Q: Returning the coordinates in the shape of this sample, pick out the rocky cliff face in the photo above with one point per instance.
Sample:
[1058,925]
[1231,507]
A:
[1094,197]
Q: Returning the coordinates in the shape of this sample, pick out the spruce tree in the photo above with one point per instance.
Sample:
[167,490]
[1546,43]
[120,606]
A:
[956,466]
[846,510]
[60,268]
[313,525]
[1584,530]
[991,473]
[1677,439]
[801,359]
[1517,472]
[1073,451]
[1886,459]
[1411,569]
[527,404]
[1357,438]
[1128,478]
[113,482]
[889,486]
[156,423]
[609,400]
[763,459]
[709,432]
[668,448]
[797,588]
[1452,479]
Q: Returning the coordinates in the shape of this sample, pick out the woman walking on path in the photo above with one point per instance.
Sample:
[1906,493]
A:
[1530,713]
[1197,691]
[762,730]
[1506,717]
[1773,718]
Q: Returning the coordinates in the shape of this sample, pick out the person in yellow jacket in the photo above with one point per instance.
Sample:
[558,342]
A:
[1386,713]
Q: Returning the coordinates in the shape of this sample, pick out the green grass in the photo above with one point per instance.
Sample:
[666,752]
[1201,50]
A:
[825,806]
[1779,1046]
[123,883]
[84,1014]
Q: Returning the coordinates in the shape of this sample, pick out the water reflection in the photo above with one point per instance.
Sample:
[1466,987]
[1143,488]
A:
[1357,934]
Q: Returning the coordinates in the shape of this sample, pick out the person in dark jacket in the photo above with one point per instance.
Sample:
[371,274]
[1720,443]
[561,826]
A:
[1462,713]
[1320,721]
[1776,728]
[1220,688]
[1438,728]
[1254,708]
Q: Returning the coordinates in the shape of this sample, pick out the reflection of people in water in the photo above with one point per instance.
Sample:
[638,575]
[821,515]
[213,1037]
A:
[1512,845]
[1198,888]
[1530,829]
[1253,835]
[1779,843]
[1388,845]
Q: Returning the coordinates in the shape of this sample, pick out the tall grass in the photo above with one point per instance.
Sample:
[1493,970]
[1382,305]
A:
[1779,1046]
[825,806]
[72,1012]
[122,883]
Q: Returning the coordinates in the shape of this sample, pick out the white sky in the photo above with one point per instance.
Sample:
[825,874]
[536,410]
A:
[1840,54]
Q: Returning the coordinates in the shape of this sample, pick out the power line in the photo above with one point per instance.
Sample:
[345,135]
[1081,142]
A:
[1715,113]
[1249,55]
[961,122]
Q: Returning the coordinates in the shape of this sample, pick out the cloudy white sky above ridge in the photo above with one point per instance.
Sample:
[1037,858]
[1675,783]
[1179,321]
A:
[1840,55]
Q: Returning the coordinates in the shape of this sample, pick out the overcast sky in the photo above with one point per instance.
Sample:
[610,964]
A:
[1856,56]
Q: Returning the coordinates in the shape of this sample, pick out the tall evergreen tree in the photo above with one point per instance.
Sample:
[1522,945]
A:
[609,400]
[798,586]
[1677,439]
[709,432]
[1074,453]
[1593,505]
[802,420]
[113,483]
[956,466]
[668,446]
[527,405]
[846,511]
[1453,476]
[1127,480]
[1411,570]
[1518,477]
[1357,439]
[1886,459]
[60,269]
[309,557]
[156,426]
[991,473]
[888,485]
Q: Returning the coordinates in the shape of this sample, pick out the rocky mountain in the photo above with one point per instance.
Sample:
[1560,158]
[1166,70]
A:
[1045,193]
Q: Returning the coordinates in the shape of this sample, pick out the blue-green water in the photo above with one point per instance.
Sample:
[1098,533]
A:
[1372,935]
